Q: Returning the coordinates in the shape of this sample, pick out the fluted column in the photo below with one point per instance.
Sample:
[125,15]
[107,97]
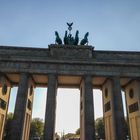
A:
[87,129]
[23,109]
[49,127]
[117,110]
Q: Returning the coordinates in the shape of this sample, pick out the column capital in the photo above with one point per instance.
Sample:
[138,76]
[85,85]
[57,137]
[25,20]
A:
[87,75]
[115,77]
[54,74]
[24,73]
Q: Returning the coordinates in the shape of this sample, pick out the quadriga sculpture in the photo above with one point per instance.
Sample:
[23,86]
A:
[69,39]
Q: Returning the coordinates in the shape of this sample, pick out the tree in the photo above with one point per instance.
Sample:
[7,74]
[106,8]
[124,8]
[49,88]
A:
[99,128]
[69,135]
[37,127]
[57,137]
[77,131]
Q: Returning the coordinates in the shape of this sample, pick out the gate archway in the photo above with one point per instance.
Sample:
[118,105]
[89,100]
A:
[79,66]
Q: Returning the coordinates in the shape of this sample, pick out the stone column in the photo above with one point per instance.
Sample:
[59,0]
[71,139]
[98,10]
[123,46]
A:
[87,129]
[117,110]
[113,110]
[23,109]
[5,88]
[49,127]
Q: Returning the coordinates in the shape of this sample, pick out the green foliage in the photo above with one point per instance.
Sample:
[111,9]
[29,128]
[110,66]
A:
[10,116]
[69,135]
[57,136]
[37,127]
[99,128]
[77,131]
[73,135]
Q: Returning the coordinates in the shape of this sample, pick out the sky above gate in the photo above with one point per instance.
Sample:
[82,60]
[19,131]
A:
[112,25]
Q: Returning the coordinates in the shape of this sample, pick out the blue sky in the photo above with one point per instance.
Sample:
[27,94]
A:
[112,25]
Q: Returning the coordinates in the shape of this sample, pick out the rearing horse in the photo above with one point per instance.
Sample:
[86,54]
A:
[85,40]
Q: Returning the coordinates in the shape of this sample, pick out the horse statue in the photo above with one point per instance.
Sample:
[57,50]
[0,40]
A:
[66,42]
[58,39]
[85,40]
[70,39]
[76,39]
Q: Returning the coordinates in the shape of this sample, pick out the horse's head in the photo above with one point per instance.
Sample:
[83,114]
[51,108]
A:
[56,33]
[87,34]
[77,32]
[66,33]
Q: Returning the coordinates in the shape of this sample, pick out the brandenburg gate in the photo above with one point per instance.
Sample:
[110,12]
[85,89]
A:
[80,67]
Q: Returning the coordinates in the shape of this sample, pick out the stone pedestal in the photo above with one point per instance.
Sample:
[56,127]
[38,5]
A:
[71,51]
[132,91]
[87,130]
[113,110]
[5,88]
[49,127]
[23,109]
